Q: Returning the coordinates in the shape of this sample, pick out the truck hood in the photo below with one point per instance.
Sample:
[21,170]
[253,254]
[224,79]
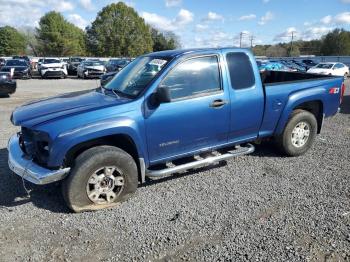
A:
[49,109]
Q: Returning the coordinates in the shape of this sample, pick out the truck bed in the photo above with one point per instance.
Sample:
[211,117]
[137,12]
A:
[284,90]
[276,77]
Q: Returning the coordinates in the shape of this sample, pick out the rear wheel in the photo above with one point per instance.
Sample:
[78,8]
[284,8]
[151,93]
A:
[299,133]
[101,178]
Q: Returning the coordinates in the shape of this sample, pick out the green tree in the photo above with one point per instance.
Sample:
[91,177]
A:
[164,41]
[31,41]
[276,51]
[312,47]
[294,51]
[58,37]
[12,42]
[336,42]
[119,31]
[260,50]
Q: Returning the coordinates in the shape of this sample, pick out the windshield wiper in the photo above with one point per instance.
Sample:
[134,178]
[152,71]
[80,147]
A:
[118,93]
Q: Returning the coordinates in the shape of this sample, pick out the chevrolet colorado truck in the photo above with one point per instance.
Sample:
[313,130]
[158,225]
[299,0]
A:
[164,113]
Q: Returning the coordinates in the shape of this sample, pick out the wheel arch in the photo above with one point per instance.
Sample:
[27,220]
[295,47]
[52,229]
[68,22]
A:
[122,141]
[309,100]
[315,107]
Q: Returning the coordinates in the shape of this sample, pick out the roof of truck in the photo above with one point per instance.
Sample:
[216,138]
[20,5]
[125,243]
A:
[176,52]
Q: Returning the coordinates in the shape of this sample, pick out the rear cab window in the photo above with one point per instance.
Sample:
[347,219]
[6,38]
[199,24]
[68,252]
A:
[240,70]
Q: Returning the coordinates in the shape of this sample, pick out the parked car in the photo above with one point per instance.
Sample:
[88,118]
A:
[329,68]
[2,62]
[304,66]
[115,65]
[309,62]
[7,85]
[105,78]
[53,67]
[274,66]
[25,58]
[166,107]
[91,69]
[40,61]
[21,69]
[73,63]
[292,65]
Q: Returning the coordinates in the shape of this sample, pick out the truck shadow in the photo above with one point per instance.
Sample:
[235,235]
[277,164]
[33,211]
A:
[345,105]
[49,197]
[12,192]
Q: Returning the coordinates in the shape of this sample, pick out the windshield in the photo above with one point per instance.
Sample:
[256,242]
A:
[51,61]
[93,63]
[76,59]
[16,63]
[325,66]
[135,77]
[118,62]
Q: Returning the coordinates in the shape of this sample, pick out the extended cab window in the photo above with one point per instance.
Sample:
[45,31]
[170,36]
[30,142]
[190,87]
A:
[194,77]
[241,70]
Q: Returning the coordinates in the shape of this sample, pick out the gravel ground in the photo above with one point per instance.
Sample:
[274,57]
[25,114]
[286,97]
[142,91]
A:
[260,207]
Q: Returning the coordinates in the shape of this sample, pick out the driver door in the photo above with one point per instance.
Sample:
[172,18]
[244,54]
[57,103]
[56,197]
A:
[197,116]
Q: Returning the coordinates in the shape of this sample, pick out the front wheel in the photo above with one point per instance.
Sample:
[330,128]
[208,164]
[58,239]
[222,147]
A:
[101,178]
[299,133]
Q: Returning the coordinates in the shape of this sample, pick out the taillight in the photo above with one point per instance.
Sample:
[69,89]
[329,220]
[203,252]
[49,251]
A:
[342,92]
[334,90]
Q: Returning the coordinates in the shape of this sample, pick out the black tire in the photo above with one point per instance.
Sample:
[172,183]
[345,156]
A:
[284,141]
[74,187]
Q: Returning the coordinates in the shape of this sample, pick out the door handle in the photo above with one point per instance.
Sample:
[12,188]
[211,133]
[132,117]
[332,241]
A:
[218,103]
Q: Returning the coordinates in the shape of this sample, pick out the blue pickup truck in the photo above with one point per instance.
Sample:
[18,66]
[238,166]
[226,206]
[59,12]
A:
[164,113]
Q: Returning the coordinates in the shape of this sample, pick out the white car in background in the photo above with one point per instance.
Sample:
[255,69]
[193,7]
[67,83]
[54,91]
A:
[330,68]
[53,67]
[91,69]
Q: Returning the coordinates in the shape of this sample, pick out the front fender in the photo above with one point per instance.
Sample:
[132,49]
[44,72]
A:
[114,126]
[298,98]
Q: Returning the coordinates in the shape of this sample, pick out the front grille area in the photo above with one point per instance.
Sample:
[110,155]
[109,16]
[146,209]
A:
[53,73]
[33,145]
[27,142]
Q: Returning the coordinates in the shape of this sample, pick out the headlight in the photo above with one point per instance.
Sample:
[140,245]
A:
[44,68]
[36,144]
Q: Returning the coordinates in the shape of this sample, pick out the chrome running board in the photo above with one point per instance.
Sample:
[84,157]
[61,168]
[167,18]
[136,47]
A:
[249,148]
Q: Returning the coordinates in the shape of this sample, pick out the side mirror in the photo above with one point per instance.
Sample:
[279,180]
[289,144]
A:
[163,94]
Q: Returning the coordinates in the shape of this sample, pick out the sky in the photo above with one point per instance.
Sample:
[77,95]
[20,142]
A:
[202,23]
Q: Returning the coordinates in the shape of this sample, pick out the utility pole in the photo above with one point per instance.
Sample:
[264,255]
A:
[240,39]
[251,41]
[291,44]
[241,34]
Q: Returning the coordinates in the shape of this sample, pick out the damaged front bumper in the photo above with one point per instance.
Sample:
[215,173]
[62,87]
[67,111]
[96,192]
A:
[27,169]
